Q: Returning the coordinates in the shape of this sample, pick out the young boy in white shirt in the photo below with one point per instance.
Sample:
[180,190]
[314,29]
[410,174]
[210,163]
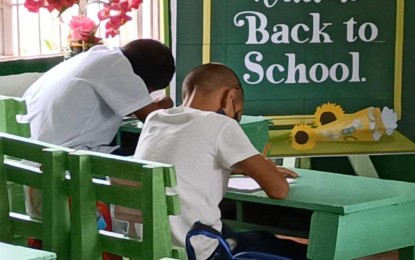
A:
[205,143]
[80,103]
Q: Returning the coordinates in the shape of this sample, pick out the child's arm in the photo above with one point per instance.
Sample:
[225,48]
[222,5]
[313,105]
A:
[162,103]
[271,178]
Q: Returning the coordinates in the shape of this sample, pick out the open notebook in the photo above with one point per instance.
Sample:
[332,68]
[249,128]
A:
[243,183]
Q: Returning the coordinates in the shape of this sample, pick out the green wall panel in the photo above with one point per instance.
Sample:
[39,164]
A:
[28,65]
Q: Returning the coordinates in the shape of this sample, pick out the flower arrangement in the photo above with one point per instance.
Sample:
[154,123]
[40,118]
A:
[114,13]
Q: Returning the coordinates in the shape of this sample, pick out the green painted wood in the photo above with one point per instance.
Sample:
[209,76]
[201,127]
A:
[9,109]
[408,118]
[32,228]
[361,233]
[126,247]
[55,209]
[124,196]
[87,242]
[28,65]
[53,229]
[189,40]
[84,232]
[241,226]
[335,193]
[19,175]
[172,199]
[353,216]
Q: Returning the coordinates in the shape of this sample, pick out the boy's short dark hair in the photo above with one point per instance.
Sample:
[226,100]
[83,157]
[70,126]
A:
[152,61]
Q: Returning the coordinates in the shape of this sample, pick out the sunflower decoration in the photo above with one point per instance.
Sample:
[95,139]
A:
[333,125]
[327,113]
[303,137]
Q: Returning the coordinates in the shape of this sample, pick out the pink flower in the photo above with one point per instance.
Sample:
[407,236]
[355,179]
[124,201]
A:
[116,13]
[60,5]
[111,31]
[135,4]
[34,5]
[104,13]
[83,28]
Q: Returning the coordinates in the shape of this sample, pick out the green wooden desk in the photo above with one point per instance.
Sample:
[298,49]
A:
[8,251]
[352,216]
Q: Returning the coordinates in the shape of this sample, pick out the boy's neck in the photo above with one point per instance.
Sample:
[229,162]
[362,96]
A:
[204,102]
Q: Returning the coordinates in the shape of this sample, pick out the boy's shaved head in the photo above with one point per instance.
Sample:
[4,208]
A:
[208,78]
[214,87]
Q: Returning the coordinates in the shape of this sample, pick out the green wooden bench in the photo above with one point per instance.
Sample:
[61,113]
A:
[88,169]
[9,108]
[153,200]
[15,154]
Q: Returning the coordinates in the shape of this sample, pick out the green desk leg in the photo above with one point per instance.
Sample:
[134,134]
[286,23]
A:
[363,233]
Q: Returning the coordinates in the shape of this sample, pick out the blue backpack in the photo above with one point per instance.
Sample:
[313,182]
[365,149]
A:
[224,252]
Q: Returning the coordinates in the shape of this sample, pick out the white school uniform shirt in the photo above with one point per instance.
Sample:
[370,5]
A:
[203,147]
[80,103]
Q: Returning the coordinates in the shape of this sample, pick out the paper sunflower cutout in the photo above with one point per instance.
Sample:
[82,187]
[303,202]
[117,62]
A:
[302,137]
[333,125]
[328,113]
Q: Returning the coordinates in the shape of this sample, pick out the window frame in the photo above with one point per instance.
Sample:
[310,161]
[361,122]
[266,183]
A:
[147,18]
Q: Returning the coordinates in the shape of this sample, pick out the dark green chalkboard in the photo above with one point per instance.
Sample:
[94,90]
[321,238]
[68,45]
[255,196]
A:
[313,66]
[323,53]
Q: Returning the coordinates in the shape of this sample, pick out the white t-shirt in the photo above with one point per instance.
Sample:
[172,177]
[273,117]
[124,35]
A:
[80,103]
[203,147]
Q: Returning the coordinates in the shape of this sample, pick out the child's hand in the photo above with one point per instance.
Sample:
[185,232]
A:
[288,173]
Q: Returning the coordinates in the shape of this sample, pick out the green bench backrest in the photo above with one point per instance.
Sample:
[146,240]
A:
[87,242]
[54,228]
[9,109]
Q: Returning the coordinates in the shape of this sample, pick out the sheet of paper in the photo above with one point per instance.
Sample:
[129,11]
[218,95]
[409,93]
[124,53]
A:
[243,183]
[247,183]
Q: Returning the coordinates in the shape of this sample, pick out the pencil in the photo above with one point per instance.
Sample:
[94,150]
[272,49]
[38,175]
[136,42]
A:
[266,148]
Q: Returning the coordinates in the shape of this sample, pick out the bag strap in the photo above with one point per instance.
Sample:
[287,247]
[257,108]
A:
[199,228]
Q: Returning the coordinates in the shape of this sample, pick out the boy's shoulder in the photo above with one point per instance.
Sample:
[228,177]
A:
[184,114]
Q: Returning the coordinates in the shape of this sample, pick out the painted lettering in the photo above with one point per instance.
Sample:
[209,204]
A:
[299,73]
[257,22]
[366,32]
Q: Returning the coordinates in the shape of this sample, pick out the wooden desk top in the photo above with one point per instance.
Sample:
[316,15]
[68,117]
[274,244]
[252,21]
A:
[340,194]
[394,144]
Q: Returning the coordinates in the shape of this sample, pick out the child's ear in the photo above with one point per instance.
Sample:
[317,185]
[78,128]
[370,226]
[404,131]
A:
[232,93]
[227,101]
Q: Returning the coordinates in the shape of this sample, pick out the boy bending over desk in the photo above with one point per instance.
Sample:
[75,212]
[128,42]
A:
[205,143]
